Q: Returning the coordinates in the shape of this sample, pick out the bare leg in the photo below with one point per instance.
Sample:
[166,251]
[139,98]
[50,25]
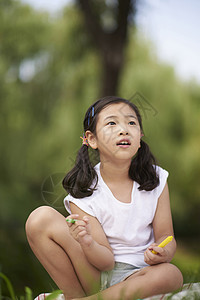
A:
[152,280]
[60,254]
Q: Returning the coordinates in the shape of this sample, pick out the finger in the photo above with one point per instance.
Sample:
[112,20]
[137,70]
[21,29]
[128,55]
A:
[152,258]
[145,257]
[73,216]
[160,251]
[79,234]
[71,219]
[85,219]
[76,230]
[82,233]
[157,249]
[148,256]
[80,223]
[87,223]
[152,246]
[148,260]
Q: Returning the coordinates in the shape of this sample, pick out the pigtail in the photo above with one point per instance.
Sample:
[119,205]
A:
[79,181]
[142,169]
[82,180]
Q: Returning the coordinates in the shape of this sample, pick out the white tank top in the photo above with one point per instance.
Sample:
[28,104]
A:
[128,226]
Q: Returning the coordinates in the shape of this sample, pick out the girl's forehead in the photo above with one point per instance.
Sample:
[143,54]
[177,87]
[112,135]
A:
[117,109]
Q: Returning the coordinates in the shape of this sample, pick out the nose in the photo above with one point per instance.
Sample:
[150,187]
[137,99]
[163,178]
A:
[123,132]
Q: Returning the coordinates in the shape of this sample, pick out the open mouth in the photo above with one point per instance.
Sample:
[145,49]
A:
[124,143]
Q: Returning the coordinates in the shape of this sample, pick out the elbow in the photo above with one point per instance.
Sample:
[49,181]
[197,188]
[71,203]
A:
[171,250]
[109,266]
[175,244]
[174,248]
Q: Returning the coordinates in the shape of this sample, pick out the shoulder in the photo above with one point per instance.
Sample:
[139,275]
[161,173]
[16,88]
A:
[163,175]
[87,204]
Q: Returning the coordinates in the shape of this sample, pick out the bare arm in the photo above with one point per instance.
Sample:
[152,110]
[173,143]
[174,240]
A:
[89,233]
[162,227]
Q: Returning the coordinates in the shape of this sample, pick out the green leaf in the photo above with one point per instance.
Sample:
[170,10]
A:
[28,293]
[9,286]
[54,295]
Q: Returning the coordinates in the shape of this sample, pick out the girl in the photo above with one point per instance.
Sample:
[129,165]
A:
[122,212]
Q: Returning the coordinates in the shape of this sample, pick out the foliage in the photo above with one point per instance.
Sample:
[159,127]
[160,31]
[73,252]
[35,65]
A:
[54,294]
[170,116]
[28,292]
[49,75]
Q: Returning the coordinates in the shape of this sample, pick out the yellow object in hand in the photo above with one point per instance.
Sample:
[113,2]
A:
[164,243]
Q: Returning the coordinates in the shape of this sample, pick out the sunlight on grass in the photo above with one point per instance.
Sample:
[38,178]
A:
[187,259]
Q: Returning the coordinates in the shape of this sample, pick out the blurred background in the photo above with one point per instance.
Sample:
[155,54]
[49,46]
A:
[56,59]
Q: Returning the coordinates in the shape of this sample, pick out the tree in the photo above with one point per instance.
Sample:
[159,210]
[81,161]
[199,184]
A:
[41,123]
[107,23]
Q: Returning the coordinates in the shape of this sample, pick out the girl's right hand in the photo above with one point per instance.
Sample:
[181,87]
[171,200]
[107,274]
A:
[160,257]
[80,230]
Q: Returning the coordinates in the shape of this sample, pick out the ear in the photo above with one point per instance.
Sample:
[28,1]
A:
[141,135]
[92,141]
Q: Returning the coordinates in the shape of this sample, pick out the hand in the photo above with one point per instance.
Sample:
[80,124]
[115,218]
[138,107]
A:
[80,230]
[153,259]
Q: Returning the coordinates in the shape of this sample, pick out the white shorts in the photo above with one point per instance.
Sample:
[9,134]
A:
[120,272]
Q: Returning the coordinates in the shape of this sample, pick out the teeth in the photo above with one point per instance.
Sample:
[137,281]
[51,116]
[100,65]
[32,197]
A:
[124,143]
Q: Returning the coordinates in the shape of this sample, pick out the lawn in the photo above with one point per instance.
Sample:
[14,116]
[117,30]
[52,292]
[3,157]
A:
[187,259]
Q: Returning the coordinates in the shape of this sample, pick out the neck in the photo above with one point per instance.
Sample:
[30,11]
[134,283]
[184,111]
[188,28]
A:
[112,172]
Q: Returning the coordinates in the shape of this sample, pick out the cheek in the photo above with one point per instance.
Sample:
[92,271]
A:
[136,133]
[137,144]
[137,139]
[106,135]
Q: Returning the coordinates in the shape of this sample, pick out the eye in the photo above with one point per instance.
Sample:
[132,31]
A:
[111,123]
[132,123]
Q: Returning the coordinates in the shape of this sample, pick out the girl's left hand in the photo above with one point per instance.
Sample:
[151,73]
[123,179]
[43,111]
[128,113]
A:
[153,259]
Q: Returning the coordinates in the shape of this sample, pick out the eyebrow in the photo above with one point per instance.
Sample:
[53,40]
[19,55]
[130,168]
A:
[129,115]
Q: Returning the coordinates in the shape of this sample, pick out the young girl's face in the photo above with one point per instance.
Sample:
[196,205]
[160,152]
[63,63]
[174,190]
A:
[118,133]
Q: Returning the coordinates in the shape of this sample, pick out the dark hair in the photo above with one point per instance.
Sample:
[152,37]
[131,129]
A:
[81,181]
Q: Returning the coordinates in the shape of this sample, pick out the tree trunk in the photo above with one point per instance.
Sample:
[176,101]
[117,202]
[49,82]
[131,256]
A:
[110,45]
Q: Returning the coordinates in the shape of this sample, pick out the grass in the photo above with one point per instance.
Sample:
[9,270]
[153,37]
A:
[187,259]
[28,292]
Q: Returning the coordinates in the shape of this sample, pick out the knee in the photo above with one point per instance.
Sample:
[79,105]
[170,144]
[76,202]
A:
[174,277]
[178,278]
[38,221]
